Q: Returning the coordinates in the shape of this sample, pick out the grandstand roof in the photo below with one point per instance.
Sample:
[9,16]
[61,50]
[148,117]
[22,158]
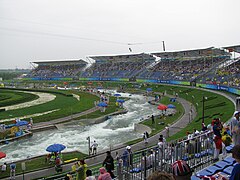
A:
[235,48]
[211,51]
[61,62]
[124,57]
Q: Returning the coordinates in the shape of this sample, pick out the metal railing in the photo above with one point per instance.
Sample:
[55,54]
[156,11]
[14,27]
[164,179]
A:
[197,151]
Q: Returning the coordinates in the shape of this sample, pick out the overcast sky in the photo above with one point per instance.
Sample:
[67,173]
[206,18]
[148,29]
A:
[34,30]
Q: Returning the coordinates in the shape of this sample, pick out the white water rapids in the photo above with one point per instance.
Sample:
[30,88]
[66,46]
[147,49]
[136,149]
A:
[116,130]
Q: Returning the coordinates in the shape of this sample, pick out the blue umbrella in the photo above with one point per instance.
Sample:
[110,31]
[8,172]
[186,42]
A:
[120,100]
[171,106]
[102,104]
[21,123]
[117,95]
[55,148]
[149,89]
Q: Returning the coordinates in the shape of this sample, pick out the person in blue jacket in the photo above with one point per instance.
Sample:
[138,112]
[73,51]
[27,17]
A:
[127,157]
[235,175]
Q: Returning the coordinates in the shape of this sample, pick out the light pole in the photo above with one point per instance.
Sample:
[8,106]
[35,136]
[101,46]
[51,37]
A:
[203,110]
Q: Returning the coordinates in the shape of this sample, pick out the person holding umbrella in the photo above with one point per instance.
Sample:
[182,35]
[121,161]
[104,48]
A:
[56,149]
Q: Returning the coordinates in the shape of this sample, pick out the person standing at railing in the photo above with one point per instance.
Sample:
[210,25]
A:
[235,128]
[108,163]
[81,170]
[12,170]
[94,147]
[127,157]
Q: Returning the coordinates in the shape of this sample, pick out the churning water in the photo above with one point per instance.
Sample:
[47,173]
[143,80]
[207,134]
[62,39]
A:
[116,130]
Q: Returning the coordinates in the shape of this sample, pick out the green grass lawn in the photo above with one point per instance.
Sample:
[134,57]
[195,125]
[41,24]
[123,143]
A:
[39,163]
[8,97]
[65,104]
[215,105]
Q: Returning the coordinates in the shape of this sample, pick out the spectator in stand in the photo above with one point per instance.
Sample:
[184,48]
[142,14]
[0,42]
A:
[164,139]
[81,171]
[160,176]
[195,132]
[204,127]
[217,127]
[109,164]
[104,175]
[4,167]
[218,146]
[151,158]
[181,170]
[235,175]
[235,128]
[89,175]
[189,135]
[75,167]
[144,161]
[12,170]
[127,157]
[68,177]
[161,147]
[227,140]
[189,148]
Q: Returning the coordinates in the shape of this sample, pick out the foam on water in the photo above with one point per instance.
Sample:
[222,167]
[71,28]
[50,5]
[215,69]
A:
[109,133]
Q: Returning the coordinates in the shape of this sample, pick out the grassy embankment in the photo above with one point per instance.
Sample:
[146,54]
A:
[64,103]
[8,97]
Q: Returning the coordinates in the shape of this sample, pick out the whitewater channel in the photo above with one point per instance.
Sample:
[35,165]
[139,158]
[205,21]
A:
[118,129]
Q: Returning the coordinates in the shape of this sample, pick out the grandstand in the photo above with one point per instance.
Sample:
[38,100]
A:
[208,66]
[184,65]
[119,66]
[57,69]
[227,73]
